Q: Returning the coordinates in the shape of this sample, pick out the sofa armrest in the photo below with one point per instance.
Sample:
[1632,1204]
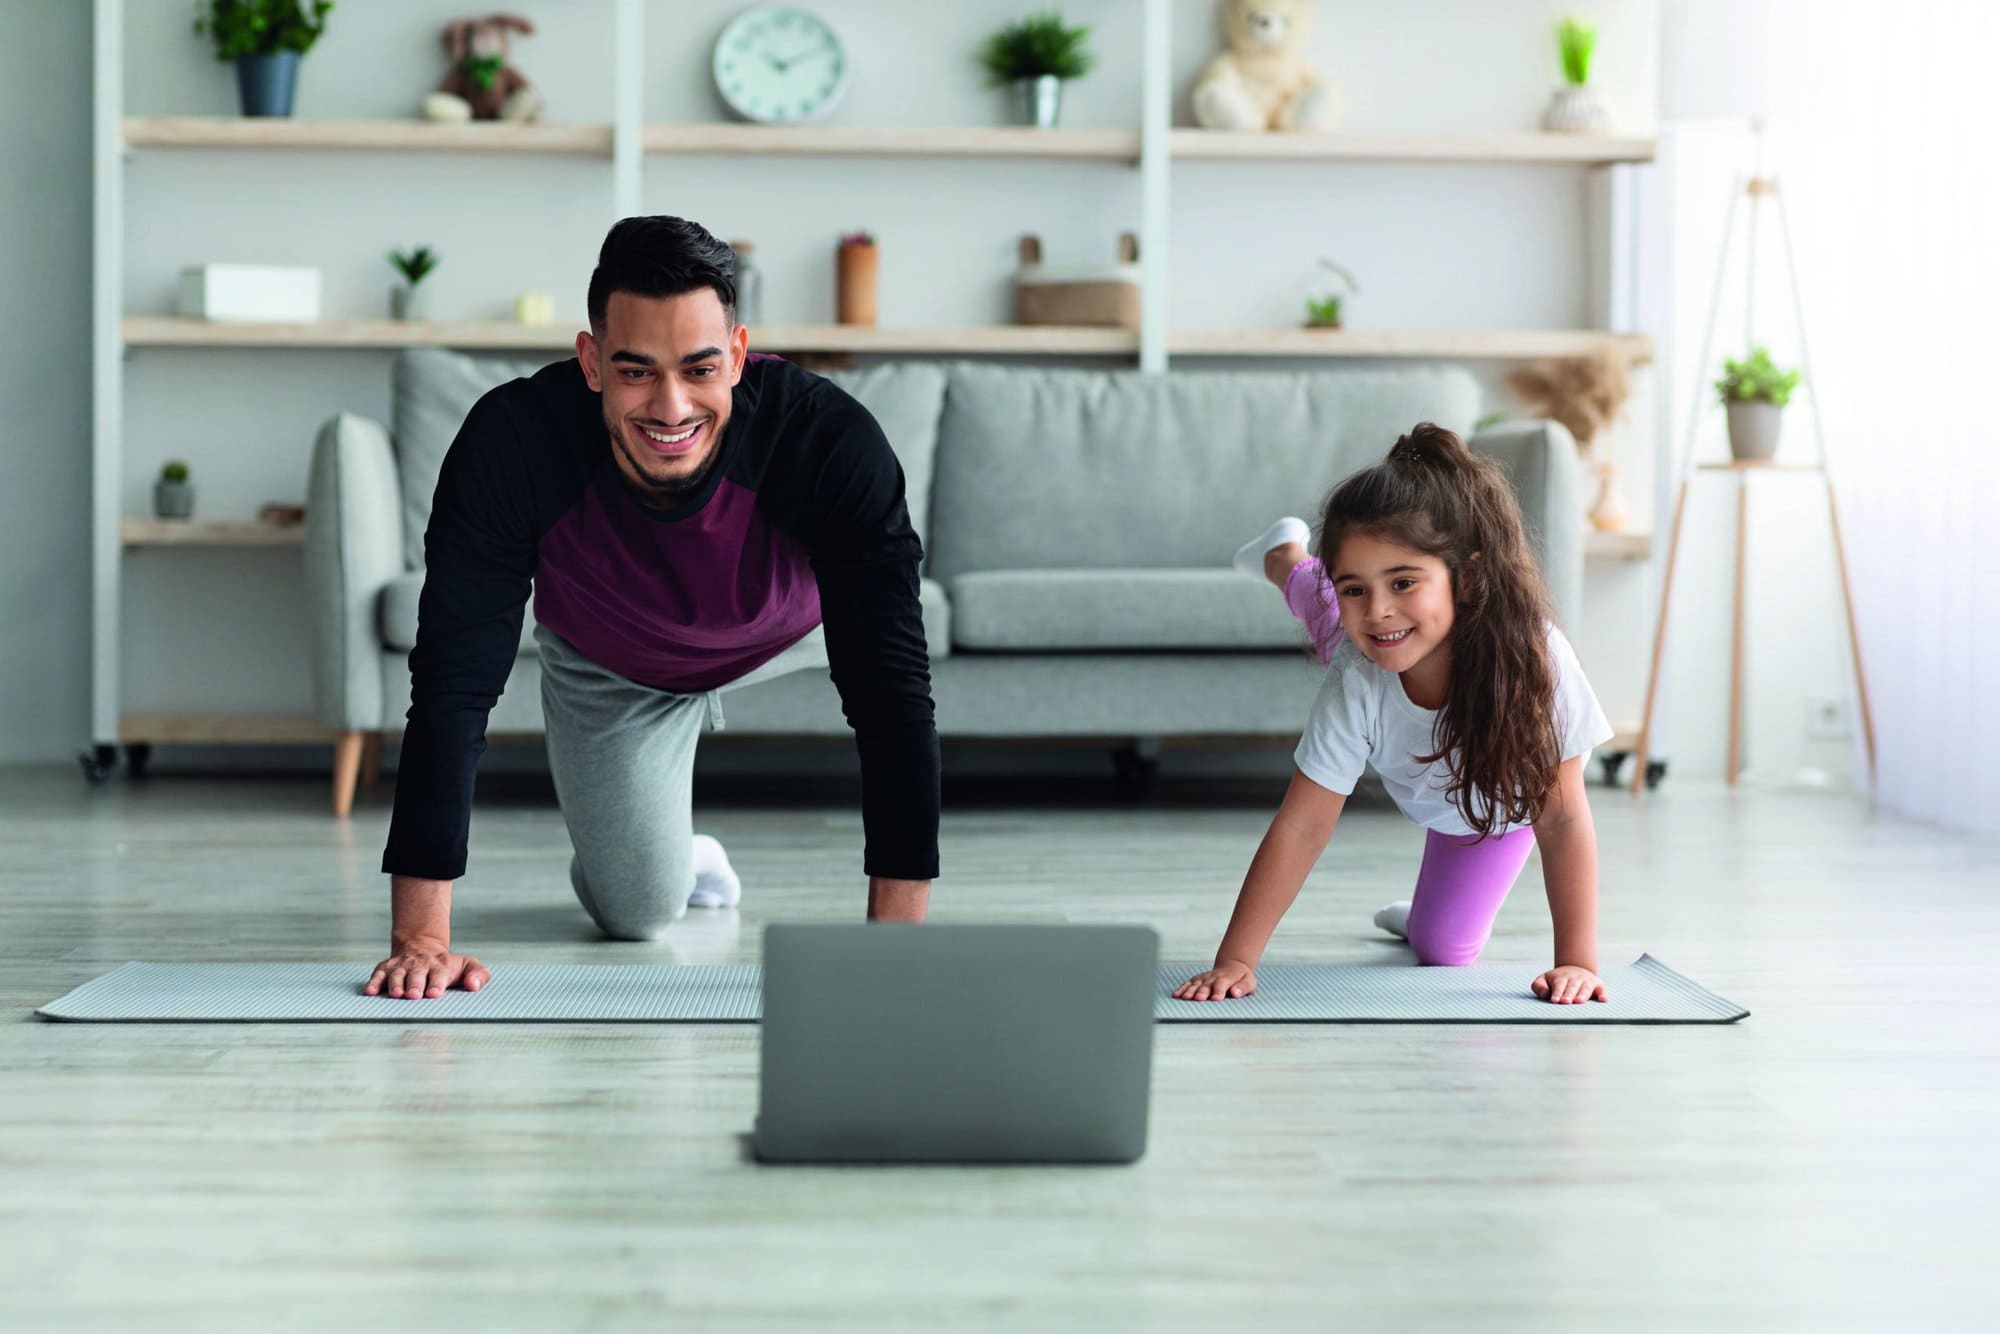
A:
[1540,459]
[353,546]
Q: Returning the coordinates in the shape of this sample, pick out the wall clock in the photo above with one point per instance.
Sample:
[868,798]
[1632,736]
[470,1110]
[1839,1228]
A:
[780,65]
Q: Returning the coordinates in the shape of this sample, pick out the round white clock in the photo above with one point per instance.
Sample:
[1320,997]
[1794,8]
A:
[779,65]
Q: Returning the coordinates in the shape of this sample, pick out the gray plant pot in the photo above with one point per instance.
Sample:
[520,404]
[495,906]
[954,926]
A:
[173,500]
[1753,430]
[407,302]
[1038,102]
[266,83]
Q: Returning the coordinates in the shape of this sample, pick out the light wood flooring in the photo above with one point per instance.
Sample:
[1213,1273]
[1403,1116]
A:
[1830,1163]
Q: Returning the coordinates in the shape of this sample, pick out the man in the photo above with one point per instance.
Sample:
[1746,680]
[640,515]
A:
[688,516]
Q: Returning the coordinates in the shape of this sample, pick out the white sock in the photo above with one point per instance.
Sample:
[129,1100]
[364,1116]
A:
[1250,556]
[715,881]
[1395,919]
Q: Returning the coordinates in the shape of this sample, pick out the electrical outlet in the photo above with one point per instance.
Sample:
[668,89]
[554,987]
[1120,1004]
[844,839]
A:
[1827,719]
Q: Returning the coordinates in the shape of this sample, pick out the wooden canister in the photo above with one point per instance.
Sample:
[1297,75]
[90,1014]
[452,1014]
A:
[855,264]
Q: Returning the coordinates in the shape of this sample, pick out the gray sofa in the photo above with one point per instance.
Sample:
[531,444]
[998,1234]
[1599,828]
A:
[1077,527]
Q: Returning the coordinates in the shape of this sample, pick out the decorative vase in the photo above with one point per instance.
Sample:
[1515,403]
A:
[1038,101]
[749,285]
[266,83]
[1753,430]
[1609,513]
[173,500]
[406,302]
[854,283]
[1575,109]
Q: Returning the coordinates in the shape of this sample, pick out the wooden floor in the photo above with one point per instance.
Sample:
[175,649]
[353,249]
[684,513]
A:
[1832,1162]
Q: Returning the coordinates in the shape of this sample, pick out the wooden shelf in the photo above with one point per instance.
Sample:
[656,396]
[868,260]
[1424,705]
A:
[1617,546]
[1120,146]
[1471,344]
[231,729]
[1574,149]
[145,331]
[250,132]
[134,532]
[998,338]
[365,135]
[149,331]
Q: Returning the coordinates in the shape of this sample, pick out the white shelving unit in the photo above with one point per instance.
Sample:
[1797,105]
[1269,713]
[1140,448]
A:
[1152,149]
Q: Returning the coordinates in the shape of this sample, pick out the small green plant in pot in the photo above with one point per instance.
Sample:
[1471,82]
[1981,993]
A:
[1575,108]
[405,299]
[1325,295]
[173,493]
[1754,392]
[1033,59]
[265,38]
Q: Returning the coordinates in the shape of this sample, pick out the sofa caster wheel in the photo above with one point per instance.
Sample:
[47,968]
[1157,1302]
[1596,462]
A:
[1655,771]
[1610,762]
[1133,773]
[97,763]
[138,756]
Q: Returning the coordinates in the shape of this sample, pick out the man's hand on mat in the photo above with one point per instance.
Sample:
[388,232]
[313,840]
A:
[1569,985]
[1221,982]
[424,969]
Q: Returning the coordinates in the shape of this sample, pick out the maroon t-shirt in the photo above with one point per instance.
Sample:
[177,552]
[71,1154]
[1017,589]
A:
[801,519]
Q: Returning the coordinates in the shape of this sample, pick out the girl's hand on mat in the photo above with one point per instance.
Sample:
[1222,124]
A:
[1569,985]
[423,969]
[1221,982]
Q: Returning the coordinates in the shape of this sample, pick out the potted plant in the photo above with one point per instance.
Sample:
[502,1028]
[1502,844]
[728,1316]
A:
[1323,297]
[404,302]
[1034,58]
[1575,108]
[265,38]
[173,494]
[1754,393]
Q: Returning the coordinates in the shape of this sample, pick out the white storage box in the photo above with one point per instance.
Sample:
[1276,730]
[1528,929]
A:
[259,292]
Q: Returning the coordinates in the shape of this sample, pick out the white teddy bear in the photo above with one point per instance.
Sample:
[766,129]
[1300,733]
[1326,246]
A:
[1263,82]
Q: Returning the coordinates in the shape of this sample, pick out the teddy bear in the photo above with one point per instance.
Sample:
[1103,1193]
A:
[1263,82]
[482,85]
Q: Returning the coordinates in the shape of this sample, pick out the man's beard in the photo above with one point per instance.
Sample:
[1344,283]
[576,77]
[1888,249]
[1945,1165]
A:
[663,494]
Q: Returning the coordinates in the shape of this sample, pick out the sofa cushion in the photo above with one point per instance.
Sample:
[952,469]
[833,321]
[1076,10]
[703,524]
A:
[1058,610]
[396,616]
[906,399]
[436,388]
[1077,469]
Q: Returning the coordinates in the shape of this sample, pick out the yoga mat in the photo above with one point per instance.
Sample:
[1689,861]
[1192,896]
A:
[1643,992]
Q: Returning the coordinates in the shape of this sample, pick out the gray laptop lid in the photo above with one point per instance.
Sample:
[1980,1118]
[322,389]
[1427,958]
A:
[956,1043]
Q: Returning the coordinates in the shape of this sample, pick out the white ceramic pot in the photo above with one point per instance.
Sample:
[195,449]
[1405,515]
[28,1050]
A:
[1575,109]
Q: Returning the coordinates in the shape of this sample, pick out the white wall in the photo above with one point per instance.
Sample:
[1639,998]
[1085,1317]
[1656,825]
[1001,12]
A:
[1439,247]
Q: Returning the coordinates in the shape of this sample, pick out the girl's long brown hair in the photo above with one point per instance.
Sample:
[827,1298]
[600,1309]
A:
[1496,733]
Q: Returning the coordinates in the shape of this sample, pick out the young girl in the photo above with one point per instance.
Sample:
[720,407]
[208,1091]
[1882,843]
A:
[1445,672]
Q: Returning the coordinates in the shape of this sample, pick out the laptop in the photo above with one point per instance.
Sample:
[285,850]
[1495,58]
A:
[899,1043]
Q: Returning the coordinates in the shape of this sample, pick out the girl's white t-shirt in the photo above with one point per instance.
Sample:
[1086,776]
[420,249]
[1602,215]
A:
[1362,717]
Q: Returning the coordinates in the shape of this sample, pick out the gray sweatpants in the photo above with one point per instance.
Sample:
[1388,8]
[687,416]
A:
[622,755]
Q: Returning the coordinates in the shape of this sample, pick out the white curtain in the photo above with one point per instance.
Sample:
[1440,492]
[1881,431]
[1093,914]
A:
[1885,130]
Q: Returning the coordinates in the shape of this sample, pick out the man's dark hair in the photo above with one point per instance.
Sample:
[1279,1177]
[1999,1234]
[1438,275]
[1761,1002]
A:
[661,256]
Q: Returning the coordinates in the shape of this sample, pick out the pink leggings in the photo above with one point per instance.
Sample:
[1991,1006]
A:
[1464,880]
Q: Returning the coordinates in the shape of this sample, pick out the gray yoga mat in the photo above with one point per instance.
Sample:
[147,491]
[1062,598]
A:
[1643,992]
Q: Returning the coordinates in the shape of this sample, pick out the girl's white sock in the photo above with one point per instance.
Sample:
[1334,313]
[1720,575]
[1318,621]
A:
[715,882]
[1395,919]
[1250,556]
